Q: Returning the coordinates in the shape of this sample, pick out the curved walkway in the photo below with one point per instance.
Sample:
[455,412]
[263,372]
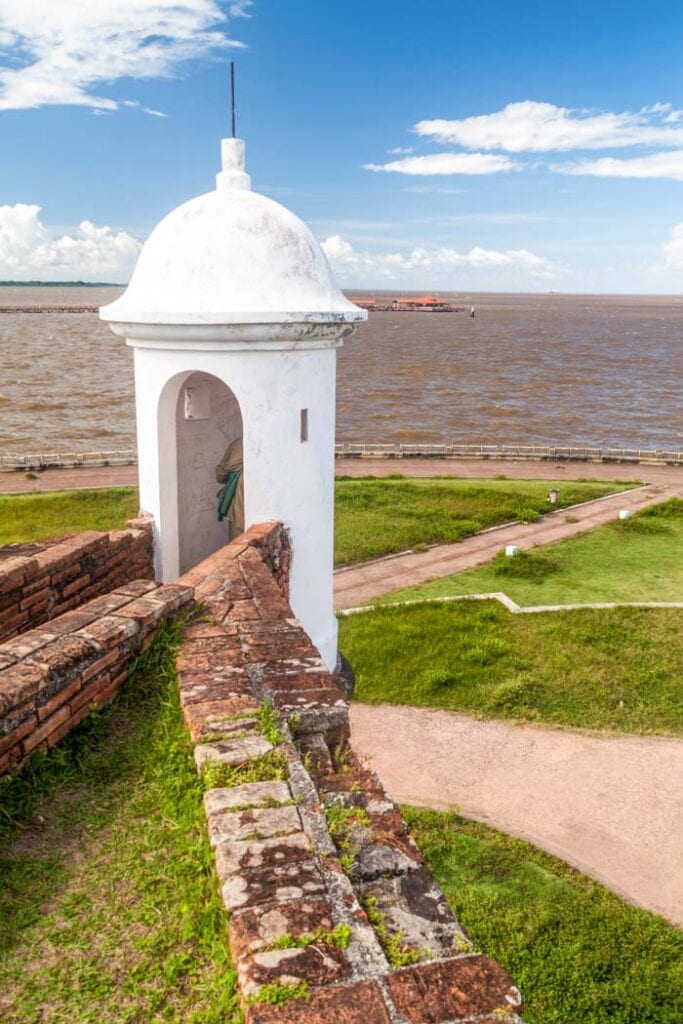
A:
[610,806]
[512,606]
[515,469]
[360,584]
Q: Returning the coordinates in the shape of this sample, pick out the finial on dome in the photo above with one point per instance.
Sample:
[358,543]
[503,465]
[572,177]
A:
[233,174]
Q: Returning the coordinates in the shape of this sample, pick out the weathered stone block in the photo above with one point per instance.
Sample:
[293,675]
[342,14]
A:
[242,611]
[137,588]
[257,823]
[64,657]
[26,644]
[205,631]
[109,631]
[217,717]
[298,881]
[226,684]
[449,990]
[249,794]
[320,964]
[232,858]
[394,857]
[414,905]
[232,751]
[359,1003]
[19,684]
[14,571]
[7,659]
[251,930]
[360,779]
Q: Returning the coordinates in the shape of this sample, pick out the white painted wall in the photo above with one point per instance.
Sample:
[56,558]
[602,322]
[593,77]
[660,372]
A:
[285,479]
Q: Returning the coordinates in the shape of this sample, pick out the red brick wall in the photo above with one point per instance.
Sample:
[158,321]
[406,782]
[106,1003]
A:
[36,586]
[52,676]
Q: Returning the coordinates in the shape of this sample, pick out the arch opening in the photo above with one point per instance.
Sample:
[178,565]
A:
[208,419]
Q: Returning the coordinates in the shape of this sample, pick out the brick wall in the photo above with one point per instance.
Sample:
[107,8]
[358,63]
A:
[41,581]
[326,889]
[50,677]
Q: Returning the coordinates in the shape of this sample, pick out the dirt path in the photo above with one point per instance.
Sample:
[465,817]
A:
[117,476]
[610,806]
[363,583]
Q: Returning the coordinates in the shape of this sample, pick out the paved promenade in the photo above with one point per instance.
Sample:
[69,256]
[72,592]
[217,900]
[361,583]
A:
[610,806]
[361,584]
[520,469]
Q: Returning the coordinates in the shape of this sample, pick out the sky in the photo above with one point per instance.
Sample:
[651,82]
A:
[454,145]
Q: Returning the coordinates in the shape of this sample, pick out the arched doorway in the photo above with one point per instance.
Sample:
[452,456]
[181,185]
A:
[207,420]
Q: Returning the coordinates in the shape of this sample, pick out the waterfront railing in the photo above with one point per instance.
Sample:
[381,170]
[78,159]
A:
[346,449]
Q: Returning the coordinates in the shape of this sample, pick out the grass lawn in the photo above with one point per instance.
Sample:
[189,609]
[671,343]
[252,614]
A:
[25,517]
[640,559]
[372,518]
[109,909]
[617,669]
[376,517]
[577,952]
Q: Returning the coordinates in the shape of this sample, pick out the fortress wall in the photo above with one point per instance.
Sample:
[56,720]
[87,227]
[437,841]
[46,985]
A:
[42,580]
[51,677]
[333,911]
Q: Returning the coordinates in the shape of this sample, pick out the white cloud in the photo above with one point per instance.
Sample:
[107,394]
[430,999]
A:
[656,165]
[530,126]
[394,265]
[63,50]
[138,106]
[401,150]
[29,250]
[240,8]
[448,163]
[673,249]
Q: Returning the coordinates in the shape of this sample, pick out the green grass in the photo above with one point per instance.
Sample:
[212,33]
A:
[26,517]
[377,517]
[640,559]
[617,669]
[577,952]
[373,517]
[109,908]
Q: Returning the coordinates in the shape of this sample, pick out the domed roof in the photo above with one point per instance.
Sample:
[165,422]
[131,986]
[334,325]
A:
[231,256]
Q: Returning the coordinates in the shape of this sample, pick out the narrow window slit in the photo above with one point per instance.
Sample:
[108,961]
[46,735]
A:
[304,424]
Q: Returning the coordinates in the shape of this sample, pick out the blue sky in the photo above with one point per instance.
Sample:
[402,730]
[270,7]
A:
[461,145]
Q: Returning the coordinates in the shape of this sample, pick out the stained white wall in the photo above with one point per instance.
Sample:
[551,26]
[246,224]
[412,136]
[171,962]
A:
[285,479]
[201,443]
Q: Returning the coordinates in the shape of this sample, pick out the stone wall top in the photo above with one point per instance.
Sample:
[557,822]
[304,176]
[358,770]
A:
[333,911]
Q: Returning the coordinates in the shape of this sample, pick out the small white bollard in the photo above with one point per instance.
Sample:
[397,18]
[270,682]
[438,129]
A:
[511,550]
[625,513]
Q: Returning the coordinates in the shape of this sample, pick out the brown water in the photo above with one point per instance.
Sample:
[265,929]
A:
[545,369]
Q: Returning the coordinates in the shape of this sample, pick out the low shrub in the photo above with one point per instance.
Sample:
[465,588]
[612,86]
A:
[528,565]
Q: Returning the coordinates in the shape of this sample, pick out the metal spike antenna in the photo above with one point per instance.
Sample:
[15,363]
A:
[232,97]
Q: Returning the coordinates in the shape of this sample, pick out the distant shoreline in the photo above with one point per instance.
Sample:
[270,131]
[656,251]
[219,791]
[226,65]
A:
[60,284]
[463,296]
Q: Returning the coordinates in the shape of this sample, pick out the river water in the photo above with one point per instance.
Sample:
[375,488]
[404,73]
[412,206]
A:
[543,369]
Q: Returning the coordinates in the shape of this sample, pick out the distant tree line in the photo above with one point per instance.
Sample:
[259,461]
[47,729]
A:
[61,284]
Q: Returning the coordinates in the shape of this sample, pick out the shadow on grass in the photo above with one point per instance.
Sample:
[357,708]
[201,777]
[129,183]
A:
[109,909]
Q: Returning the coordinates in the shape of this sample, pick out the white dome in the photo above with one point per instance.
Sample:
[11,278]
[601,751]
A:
[231,256]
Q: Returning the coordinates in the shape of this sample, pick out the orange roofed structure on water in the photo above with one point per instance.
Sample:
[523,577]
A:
[424,304]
